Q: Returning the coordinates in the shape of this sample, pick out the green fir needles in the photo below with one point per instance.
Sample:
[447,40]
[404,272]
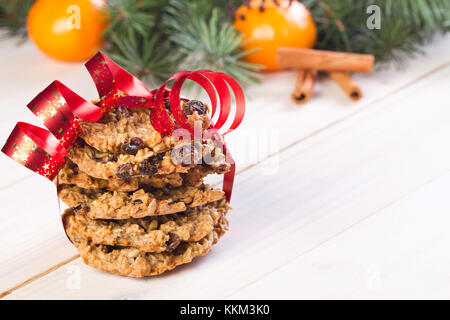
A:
[154,38]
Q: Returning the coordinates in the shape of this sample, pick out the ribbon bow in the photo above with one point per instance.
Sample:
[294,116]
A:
[59,108]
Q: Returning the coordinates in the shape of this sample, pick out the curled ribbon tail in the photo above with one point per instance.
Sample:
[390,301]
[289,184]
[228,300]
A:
[60,109]
[112,82]
[35,148]
[215,84]
[109,76]
[174,95]
[239,98]
[228,178]
[57,106]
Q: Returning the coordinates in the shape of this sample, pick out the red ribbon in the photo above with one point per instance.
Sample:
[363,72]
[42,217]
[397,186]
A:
[35,148]
[59,108]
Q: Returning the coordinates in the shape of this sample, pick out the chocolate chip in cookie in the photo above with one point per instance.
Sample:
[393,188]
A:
[194,105]
[124,171]
[133,146]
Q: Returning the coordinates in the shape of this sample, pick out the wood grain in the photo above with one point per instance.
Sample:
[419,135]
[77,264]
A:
[397,253]
[325,186]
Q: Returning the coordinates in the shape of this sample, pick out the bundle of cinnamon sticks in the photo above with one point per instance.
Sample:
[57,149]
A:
[337,65]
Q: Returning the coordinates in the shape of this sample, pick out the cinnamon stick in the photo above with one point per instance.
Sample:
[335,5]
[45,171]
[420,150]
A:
[324,60]
[348,84]
[304,86]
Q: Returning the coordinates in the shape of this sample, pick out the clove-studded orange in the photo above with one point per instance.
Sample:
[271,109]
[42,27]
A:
[268,25]
[67,30]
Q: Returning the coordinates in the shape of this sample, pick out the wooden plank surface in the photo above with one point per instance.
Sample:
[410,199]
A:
[398,253]
[318,206]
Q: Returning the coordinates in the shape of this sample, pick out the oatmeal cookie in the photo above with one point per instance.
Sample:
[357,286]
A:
[101,204]
[117,129]
[151,234]
[107,165]
[132,262]
[71,174]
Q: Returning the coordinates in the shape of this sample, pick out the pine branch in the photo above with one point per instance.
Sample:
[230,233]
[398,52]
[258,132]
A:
[139,15]
[151,60]
[153,38]
[13,17]
[136,40]
[152,49]
[405,25]
[205,39]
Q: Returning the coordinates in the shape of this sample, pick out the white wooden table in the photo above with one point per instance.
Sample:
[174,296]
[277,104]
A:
[349,200]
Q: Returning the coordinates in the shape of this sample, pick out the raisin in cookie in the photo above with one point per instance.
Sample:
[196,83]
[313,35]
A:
[71,174]
[107,165]
[132,262]
[151,234]
[101,204]
[128,130]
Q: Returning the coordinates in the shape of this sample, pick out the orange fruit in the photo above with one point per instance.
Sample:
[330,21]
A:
[67,30]
[268,25]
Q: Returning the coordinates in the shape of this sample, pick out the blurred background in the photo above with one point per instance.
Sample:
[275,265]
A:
[154,38]
[343,168]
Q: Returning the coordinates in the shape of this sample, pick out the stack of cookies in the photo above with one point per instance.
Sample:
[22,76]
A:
[137,207]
